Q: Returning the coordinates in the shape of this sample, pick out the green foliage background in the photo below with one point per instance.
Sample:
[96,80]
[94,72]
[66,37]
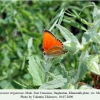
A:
[21,31]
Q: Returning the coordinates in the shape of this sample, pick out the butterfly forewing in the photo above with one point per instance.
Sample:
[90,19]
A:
[50,41]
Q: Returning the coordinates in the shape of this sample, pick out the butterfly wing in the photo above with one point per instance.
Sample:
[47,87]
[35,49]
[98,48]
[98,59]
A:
[55,51]
[50,41]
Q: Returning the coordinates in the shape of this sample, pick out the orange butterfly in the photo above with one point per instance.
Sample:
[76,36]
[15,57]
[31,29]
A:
[52,46]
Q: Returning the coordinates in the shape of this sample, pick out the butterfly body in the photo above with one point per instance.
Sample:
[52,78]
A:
[52,46]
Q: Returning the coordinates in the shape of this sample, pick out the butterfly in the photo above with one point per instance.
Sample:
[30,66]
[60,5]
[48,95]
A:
[52,46]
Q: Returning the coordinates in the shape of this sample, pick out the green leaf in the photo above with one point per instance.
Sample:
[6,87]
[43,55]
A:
[26,13]
[85,86]
[82,68]
[72,43]
[85,38]
[36,70]
[59,70]
[96,48]
[30,42]
[74,23]
[26,76]
[5,84]
[96,14]
[6,60]
[56,83]
[66,33]
[94,35]
[71,86]
[72,46]
[92,64]
[96,38]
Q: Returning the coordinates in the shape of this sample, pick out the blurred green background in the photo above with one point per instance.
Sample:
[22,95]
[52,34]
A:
[22,20]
